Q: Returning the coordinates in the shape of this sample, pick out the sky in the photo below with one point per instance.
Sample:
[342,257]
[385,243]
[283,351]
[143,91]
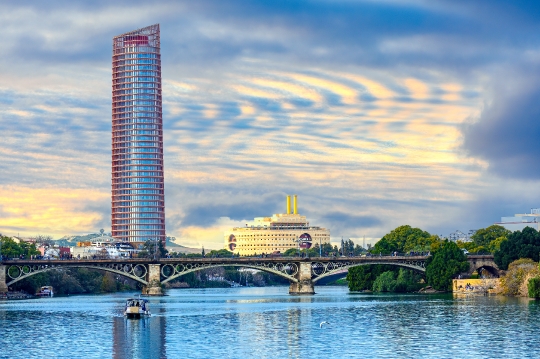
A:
[375,113]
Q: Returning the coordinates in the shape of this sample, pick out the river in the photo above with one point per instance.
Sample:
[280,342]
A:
[269,323]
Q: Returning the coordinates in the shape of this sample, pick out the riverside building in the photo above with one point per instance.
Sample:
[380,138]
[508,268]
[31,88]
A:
[138,201]
[275,234]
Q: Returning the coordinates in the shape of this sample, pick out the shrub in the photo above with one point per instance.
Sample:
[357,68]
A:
[516,279]
[534,287]
[385,282]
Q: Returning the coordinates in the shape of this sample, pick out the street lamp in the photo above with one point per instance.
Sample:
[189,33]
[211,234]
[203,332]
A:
[320,247]
[298,244]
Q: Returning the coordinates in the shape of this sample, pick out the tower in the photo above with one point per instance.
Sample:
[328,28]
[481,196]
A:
[138,200]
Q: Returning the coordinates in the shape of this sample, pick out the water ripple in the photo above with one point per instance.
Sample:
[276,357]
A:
[268,323]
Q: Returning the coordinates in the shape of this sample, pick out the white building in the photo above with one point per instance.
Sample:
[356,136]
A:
[275,234]
[520,221]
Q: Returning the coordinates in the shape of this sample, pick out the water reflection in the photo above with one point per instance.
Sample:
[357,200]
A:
[140,338]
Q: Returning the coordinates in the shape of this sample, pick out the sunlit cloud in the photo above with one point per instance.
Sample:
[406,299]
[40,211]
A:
[381,125]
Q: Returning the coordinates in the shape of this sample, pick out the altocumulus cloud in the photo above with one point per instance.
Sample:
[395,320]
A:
[376,114]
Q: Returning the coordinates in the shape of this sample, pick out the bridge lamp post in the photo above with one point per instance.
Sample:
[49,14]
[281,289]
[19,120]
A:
[320,247]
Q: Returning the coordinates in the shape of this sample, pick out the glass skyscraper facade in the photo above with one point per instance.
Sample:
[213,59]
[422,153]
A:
[138,201]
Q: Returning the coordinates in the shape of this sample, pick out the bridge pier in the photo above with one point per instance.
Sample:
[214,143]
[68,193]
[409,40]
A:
[305,283]
[3,286]
[153,277]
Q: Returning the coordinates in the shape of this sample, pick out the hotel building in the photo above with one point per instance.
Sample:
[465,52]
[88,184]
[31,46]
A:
[275,234]
[138,201]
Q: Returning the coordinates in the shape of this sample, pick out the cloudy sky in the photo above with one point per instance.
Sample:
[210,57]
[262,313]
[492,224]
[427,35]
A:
[375,113]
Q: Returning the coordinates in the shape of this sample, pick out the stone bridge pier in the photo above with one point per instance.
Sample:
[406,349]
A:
[3,286]
[304,284]
[153,278]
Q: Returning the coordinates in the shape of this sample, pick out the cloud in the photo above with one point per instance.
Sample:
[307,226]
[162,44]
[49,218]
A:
[506,133]
[358,107]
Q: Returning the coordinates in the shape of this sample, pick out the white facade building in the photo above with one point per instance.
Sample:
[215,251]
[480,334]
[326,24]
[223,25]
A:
[520,221]
[278,233]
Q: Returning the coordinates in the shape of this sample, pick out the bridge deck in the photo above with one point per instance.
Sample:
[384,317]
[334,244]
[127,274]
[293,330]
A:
[236,260]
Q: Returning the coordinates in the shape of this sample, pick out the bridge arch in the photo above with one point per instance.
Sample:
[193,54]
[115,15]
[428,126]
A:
[492,270]
[416,266]
[287,275]
[26,274]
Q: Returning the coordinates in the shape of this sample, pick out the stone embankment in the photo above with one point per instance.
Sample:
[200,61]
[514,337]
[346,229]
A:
[15,295]
[478,286]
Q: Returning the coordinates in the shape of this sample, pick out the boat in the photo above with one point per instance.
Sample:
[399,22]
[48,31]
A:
[45,291]
[137,308]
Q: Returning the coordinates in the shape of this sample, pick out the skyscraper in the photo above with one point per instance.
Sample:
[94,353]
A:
[138,201]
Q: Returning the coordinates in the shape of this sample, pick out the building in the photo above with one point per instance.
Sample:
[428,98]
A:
[520,221]
[275,234]
[138,200]
[103,248]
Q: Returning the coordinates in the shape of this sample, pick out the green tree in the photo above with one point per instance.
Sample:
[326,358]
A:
[519,244]
[222,253]
[447,261]
[358,249]
[405,239]
[495,245]
[484,237]
[408,281]
[362,277]
[291,252]
[386,282]
[108,284]
[534,287]
[10,248]
[153,249]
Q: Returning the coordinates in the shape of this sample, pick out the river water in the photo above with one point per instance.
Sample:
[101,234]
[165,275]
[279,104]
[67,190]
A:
[269,323]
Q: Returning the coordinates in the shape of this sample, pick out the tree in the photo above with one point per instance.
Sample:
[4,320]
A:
[11,249]
[515,281]
[291,252]
[108,284]
[362,277]
[408,281]
[447,261]
[385,282]
[405,239]
[534,287]
[484,237]
[519,244]
[43,239]
[153,249]
[222,253]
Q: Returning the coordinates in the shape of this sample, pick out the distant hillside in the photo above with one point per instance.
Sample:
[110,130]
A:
[71,241]
[172,246]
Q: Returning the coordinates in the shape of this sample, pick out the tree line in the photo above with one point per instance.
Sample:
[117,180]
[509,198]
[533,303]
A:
[447,258]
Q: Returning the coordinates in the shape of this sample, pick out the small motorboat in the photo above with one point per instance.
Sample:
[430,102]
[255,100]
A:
[137,308]
[45,291]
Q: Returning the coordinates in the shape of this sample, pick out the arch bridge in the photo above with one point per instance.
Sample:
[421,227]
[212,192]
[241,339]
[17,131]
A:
[302,273]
